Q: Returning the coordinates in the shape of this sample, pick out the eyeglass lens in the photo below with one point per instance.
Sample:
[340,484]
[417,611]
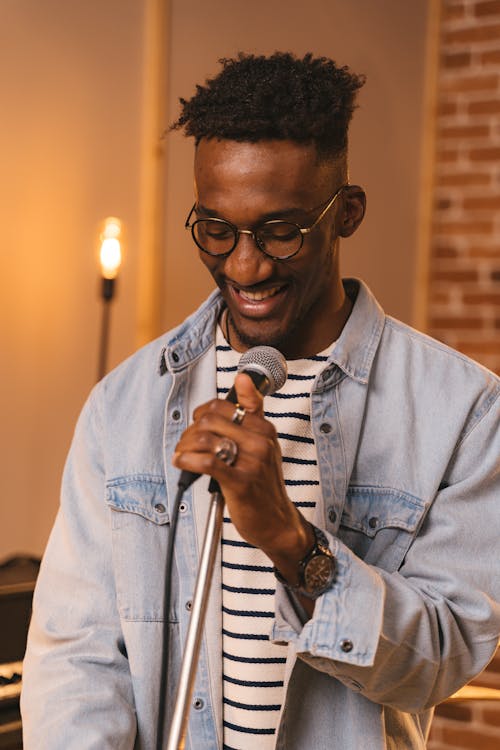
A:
[278,238]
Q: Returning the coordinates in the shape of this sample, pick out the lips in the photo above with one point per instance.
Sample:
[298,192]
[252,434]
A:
[257,303]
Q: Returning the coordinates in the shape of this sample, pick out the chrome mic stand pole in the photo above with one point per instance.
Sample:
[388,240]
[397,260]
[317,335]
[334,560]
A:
[177,735]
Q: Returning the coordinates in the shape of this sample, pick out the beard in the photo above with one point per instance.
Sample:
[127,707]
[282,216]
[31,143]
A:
[279,340]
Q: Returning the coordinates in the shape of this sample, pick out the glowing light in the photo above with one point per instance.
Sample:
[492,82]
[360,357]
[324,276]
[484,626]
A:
[110,253]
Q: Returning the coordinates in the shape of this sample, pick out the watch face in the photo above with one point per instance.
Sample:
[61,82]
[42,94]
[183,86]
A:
[319,572]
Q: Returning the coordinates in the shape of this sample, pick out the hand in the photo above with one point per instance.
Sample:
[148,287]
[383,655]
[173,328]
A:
[253,488]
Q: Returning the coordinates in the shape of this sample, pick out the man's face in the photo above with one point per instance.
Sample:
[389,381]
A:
[289,304]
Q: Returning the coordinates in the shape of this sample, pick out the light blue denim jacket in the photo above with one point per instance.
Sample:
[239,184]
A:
[408,441]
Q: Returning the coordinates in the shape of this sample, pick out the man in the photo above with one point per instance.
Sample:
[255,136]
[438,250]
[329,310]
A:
[355,588]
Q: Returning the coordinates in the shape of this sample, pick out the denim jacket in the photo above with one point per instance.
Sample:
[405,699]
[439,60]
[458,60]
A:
[408,442]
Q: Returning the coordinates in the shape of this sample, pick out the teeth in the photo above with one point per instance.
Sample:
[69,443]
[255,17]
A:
[259,296]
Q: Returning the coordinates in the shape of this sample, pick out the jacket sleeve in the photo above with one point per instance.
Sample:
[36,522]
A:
[76,681]
[411,638]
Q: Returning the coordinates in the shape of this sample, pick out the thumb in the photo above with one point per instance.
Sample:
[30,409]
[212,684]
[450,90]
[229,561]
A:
[248,395]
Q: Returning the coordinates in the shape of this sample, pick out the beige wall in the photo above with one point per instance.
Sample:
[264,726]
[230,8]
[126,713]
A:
[80,124]
[70,148]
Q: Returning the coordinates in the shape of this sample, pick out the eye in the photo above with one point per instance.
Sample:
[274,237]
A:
[280,231]
[216,230]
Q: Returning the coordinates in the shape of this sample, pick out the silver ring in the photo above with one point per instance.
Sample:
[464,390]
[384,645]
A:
[238,415]
[227,450]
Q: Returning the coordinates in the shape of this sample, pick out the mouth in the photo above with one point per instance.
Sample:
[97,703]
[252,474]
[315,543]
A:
[260,295]
[257,303]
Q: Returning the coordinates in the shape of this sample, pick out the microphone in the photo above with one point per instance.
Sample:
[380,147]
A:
[267,368]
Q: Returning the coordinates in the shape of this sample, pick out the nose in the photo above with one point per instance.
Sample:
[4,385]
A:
[247,265]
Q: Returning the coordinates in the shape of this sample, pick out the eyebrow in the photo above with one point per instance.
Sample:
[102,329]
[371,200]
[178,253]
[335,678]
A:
[287,213]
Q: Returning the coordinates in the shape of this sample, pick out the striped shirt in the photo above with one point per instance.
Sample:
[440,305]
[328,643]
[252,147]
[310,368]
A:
[253,667]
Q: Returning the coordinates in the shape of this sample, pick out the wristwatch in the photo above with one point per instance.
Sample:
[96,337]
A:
[316,571]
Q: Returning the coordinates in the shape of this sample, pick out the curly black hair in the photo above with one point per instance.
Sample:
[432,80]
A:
[253,98]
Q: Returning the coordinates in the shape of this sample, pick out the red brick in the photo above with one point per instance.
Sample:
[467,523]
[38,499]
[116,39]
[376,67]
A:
[456,711]
[492,715]
[473,34]
[438,298]
[491,56]
[447,156]
[491,153]
[458,323]
[446,108]
[452,12]
[464,131]
[483,203]
[455,276]
[444,251]
[484,252]
[471,83]
[463,737]
[487,8]
[480,298]
[476,348]
[464,227]
[455,60]
[443,204]
[463,179]
[488,107]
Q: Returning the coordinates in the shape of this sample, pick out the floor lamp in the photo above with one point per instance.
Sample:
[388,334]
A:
[110,259]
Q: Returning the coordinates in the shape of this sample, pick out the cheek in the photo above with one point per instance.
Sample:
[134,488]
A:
[211,264]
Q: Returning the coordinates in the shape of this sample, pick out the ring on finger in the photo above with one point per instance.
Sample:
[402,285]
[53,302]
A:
[238,414]
[227,450]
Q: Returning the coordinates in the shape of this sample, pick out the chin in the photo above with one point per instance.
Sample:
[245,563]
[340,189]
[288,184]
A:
[249,339]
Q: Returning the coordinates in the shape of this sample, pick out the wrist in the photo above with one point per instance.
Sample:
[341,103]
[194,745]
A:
[315,572]
[288,558]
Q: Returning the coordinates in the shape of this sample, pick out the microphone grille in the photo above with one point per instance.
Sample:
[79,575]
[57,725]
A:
[268,361]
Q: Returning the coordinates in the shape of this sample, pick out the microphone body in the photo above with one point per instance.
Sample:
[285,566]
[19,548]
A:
[267,369]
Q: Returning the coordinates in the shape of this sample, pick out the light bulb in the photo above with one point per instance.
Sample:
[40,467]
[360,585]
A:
[110,253]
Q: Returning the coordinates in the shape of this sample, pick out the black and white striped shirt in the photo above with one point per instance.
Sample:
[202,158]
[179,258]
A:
[253,667]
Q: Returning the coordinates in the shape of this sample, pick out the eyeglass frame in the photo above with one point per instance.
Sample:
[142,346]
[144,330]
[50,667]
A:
[253,232]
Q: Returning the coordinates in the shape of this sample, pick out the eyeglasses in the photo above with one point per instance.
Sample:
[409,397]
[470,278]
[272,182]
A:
[280,240]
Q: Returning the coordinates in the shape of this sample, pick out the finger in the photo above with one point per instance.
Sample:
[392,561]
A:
[248,395]
[217,416]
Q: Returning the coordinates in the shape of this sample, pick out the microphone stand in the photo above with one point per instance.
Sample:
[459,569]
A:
[177,734]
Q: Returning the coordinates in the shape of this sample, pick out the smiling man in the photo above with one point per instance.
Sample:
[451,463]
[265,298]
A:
[355,586]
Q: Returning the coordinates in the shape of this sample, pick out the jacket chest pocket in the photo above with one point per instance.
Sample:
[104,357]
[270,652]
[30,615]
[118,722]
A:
[379,524]
[139,527]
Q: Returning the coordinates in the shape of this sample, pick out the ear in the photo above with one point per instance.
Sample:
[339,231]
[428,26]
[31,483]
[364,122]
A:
[354,210]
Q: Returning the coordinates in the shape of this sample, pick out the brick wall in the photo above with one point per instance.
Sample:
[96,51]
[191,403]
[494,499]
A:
[464,283]
[464,302]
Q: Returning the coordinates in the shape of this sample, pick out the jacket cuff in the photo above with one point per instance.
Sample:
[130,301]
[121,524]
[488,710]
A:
[347,619]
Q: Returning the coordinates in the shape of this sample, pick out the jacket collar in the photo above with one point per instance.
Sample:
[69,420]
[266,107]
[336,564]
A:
[356,346]
[353,353]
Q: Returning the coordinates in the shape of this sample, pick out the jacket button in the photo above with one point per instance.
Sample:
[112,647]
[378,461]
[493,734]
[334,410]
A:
[346,645]
[189,605]
[332,516]
[198,704]
[325,428]
[372,523]
[183,507]
[160,508]
[175,356]
[176,415]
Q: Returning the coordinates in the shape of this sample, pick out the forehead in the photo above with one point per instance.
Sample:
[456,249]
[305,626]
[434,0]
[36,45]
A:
[268,172]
